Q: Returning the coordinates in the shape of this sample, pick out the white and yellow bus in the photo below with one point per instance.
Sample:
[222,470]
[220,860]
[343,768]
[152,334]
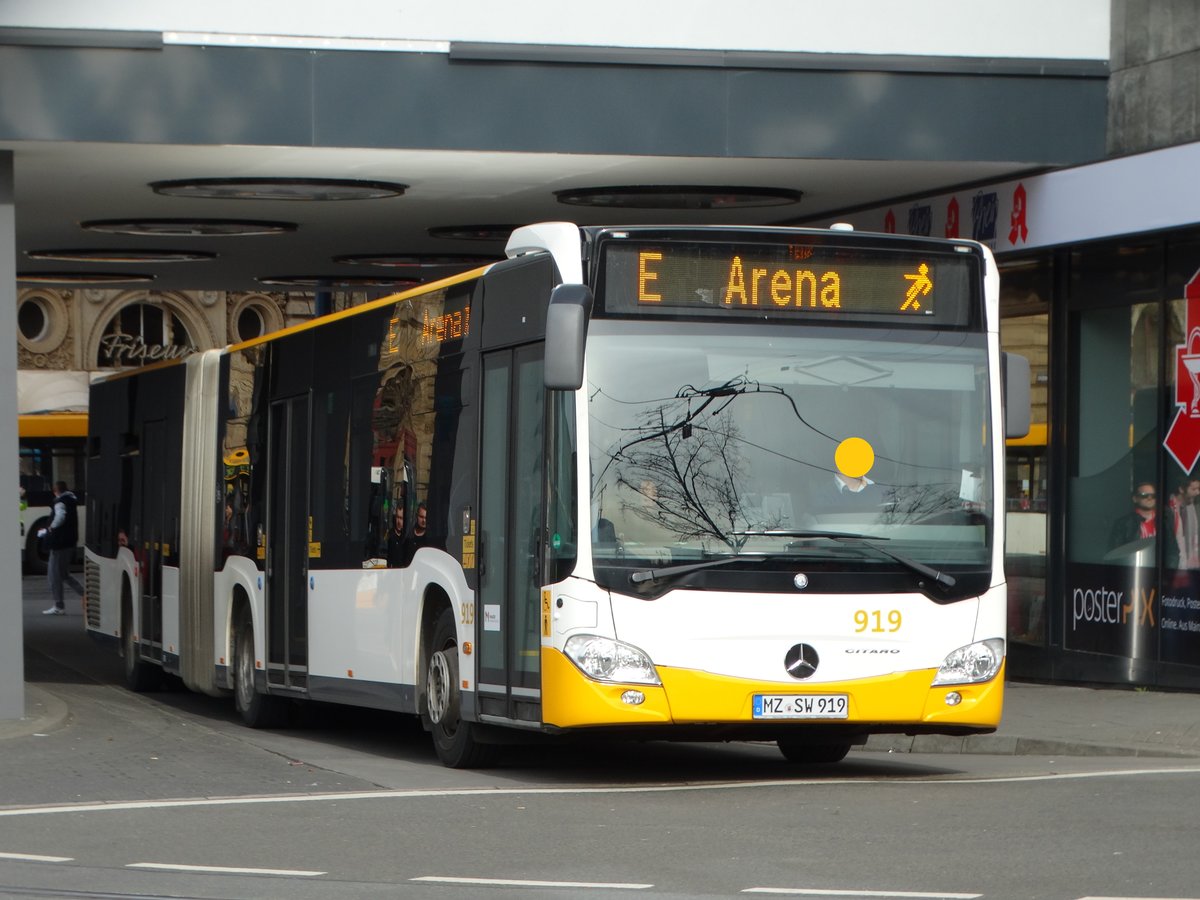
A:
[656,482]
[51,449]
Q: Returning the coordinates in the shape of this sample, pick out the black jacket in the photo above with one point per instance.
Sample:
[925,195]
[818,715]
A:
[65,534]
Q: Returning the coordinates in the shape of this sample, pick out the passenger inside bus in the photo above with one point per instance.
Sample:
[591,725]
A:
[420,535]
[399,547]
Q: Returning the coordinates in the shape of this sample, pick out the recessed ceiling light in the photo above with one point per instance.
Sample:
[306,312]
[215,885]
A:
[473,232]
[278,189]
[679,196]
[327,281]
[123,256]
[413,261]
[82,277]
[187,227]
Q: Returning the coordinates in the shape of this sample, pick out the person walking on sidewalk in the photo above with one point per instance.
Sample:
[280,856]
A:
[61,537]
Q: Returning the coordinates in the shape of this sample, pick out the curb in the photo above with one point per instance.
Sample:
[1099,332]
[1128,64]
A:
[44,713]
[1002,745]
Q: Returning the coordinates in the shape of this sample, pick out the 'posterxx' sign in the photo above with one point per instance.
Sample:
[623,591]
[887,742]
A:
[1112,609]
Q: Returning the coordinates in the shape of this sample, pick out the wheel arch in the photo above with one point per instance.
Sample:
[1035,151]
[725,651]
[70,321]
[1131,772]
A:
[239,605]
[235,594]
[434,602]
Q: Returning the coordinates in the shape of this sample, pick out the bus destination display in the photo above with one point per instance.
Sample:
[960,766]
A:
[786,281]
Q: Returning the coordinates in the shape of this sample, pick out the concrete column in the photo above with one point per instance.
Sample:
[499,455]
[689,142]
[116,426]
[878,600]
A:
[12,632]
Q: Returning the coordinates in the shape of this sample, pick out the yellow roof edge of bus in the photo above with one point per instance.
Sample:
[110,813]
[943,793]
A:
[313,323]
[1035,438]
[373,304]
[52,424]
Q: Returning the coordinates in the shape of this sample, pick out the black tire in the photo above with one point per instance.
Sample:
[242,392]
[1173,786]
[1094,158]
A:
[455,741]
[140,676]
[810,753]
[37,557]
[257,710]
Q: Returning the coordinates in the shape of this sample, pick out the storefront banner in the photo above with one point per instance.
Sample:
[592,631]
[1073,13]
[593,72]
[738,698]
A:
[1144,192]
[1112,609]
[1179,620]
[1125,611]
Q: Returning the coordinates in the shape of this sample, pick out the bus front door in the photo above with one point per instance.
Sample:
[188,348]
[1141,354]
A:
[287,545]
[510,516]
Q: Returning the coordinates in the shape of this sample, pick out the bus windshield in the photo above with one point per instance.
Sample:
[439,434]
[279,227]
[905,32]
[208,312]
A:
[709,441]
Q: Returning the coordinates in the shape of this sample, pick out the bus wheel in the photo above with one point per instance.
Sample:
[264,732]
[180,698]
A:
[809,753]
[37,558]
[453,739]
[257,710]
[140,676]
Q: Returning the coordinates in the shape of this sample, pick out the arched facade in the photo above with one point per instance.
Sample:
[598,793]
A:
[88,331]
[98,330]
[137,327]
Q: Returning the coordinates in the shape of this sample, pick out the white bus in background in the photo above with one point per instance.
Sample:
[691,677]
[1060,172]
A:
[52,448]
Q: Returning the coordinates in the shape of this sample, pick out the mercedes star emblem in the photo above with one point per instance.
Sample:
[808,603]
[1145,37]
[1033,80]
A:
[801,661]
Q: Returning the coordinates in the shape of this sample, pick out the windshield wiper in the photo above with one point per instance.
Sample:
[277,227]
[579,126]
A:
[866,541]
[643,575]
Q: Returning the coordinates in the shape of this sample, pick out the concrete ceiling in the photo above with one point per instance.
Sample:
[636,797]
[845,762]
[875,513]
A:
[61,184]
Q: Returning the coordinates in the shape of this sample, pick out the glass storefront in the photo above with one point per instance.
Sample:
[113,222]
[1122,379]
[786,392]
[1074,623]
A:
[1113,480]
[1121,497]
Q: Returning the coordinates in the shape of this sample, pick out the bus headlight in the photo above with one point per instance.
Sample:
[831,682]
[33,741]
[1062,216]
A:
[603,659]
[972,664]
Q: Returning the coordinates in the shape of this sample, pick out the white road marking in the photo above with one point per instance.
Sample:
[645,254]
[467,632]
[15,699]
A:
[222,870]
[519,882]
[451,793]
[830,892]
[33,857]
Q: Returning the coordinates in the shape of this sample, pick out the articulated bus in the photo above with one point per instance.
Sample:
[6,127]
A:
[51,449]
[696,483]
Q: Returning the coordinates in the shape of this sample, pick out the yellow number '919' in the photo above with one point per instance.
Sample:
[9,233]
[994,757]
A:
[876,621]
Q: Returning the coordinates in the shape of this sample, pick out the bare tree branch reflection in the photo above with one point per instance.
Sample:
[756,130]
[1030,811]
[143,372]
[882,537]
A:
[925,504]
[686,476]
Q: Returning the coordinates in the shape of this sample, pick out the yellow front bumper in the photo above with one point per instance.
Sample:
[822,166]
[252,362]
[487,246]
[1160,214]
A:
[691,697]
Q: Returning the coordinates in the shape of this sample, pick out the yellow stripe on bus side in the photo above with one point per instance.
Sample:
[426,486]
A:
[389,300]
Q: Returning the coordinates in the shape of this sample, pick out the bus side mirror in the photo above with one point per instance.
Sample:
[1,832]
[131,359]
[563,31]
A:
[1015,382]
[566,333]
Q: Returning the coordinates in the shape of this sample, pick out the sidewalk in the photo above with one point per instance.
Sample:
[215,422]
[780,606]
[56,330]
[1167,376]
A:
[1060,720]
[1039,719]
[44,713]
[45,710]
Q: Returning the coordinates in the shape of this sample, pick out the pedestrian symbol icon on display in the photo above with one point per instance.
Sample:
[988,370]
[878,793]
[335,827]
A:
[921,285]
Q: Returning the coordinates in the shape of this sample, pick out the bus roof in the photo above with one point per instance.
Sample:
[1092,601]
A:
[53,424]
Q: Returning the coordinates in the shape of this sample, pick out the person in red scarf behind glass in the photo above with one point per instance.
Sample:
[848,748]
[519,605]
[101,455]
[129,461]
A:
[1141,521]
